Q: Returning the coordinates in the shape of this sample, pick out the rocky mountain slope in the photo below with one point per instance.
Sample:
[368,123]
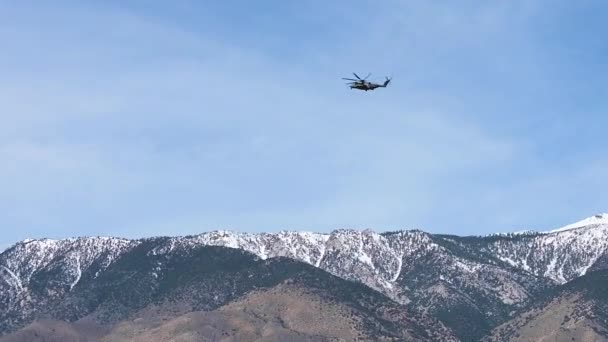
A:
[483,278]
[154,290]
[577,311]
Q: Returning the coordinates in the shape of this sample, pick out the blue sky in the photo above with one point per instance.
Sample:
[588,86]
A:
[139,118]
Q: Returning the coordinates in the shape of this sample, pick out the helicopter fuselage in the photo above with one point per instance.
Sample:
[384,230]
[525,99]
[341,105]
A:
[365,86]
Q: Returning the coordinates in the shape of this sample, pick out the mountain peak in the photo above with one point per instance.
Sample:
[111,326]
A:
[598,219]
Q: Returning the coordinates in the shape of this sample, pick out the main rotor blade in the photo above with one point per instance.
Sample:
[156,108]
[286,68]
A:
[357,76]
[350,79]
[368,75]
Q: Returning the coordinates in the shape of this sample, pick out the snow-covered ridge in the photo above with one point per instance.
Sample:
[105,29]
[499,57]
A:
[364,256]
[382,261]
[71,255]
[599,219]
[561,254]
[304,246]
[510,234]
[592,221]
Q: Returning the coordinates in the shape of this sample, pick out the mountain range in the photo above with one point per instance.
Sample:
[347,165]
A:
[402,285]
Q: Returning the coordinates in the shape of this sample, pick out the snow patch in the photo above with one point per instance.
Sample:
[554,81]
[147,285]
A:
[323,248]
[17,281]
[508,260]
[78,273]
[399,266]
[466,267]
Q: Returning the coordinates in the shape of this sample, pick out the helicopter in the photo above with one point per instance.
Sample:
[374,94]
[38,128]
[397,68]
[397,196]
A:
[363,84]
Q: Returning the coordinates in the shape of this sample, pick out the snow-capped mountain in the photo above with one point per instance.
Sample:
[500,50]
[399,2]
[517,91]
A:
[487,277]
[560,255]
[595,220]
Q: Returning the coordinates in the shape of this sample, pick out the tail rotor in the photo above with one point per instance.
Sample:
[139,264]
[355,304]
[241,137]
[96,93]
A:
[388,80]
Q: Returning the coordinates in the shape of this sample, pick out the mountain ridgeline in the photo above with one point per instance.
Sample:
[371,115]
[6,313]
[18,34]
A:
[404,285]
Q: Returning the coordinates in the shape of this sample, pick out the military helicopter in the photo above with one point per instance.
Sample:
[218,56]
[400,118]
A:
[363,84]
